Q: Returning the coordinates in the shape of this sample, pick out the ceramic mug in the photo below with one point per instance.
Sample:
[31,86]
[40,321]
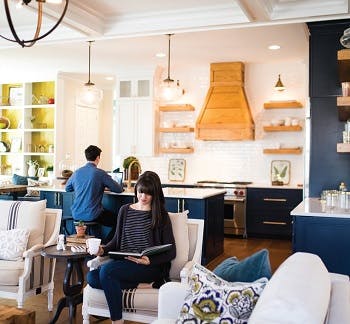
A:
[93,245]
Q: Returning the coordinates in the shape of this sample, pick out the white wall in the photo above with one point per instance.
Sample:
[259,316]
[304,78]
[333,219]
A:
[243,160]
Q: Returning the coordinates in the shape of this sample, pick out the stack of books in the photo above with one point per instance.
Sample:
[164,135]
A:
[73,240]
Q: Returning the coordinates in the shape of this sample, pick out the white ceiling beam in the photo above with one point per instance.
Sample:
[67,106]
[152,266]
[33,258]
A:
[175,20]
[308,8]
[256,10]
[79,19]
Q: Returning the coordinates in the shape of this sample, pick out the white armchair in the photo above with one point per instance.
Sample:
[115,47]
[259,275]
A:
[141,305]
[32,274]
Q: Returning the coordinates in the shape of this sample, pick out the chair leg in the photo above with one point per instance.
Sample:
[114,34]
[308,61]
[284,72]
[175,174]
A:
[86,316]
[50,300]
[20,302]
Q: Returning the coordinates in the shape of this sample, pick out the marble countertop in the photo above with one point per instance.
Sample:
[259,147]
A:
[314,207]
[192,193]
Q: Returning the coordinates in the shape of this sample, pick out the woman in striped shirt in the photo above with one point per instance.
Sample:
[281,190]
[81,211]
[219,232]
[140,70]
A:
[143,224]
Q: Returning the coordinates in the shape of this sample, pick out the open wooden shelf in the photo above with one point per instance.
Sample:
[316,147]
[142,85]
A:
[344,65]
[176,130]
[343,104]
[295,150]
[282,128]
[283,104]
[184,107]
[343,101]
[176,150]
[343,147]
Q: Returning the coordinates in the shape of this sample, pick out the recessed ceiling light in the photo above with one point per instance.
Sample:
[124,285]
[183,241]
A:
[274,47]
[109,78]
[160,55]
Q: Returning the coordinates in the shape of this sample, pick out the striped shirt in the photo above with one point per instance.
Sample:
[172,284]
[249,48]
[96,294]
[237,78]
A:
[137,231]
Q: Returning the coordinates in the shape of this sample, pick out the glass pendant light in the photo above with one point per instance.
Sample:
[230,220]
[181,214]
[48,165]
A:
[90,95]
[345,39]
[169,89]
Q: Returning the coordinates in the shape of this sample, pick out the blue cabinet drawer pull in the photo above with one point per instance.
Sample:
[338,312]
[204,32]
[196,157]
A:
[276,199]
[274,223]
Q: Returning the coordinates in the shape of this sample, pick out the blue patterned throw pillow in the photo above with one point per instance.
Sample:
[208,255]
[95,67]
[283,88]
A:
[211,299]
[249,269]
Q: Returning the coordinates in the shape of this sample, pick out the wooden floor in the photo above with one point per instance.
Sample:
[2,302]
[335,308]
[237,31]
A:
[279,250]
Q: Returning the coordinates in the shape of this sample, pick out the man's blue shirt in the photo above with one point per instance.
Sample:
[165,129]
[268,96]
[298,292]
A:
[88,184]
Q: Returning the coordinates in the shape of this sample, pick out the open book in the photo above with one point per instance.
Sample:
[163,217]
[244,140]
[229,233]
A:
[149,251]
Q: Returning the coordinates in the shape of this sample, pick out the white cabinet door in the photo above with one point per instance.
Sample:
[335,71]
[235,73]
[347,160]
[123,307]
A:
[135,127]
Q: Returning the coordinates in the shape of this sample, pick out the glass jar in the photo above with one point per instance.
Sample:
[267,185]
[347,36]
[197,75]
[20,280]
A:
[66,167]
[347,200]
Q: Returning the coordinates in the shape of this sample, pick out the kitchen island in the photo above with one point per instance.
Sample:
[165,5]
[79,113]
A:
[323,231]
[202,203]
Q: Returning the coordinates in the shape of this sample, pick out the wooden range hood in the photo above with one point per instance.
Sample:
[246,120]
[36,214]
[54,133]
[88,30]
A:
[225,115]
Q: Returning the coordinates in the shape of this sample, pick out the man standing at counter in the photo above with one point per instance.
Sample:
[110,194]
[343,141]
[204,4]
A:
[88,184]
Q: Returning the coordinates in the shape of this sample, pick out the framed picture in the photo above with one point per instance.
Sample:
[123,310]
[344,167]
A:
[280,172]
[41,172]
[15,96]
[177,169]
[16,144]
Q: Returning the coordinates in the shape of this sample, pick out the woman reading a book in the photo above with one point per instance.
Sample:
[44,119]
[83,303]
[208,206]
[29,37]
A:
[141,225]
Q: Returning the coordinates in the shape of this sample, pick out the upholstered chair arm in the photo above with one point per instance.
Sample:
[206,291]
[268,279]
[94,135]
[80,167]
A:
[97,262]
[34,250]
[185,271]
[170,300]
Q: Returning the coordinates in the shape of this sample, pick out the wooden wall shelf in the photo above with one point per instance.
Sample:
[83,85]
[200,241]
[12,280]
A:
[185,107]
[344,65]
[282,128]
[343,147]
[177,130]
[343,104]
[176,150]
[288,104]
[296,150]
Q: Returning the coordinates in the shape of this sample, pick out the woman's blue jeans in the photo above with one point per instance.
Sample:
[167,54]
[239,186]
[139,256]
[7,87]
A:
[116,275]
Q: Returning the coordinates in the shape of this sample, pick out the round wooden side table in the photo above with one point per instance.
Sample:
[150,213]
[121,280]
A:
[72,291]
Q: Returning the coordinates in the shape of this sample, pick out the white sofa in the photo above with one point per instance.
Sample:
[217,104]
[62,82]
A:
[300,291]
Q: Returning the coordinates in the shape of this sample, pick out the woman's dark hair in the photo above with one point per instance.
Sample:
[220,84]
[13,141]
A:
[149,183]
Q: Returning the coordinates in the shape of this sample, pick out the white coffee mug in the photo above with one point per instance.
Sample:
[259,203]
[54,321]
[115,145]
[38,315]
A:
[93,245]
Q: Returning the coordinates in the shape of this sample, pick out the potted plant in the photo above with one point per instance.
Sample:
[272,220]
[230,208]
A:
[134,169]
[80,228]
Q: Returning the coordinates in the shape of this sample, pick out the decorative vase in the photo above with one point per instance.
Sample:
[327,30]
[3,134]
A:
[32,171]
[80,230]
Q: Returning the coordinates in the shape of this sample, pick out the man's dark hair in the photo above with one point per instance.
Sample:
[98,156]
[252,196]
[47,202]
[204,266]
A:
[92,152]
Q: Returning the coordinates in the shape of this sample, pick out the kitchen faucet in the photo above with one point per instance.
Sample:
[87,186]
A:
[137,163]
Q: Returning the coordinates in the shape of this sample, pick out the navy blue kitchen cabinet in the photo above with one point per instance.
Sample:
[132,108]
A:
[212,211]
[268,211]
[61,200]
[327,167]
[328,237]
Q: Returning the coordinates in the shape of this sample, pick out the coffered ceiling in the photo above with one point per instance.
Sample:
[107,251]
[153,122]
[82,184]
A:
[132,31]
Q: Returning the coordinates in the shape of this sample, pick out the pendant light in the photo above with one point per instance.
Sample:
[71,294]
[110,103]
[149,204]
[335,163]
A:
[37,36]
[279,85]
[89,94]
[170,90]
